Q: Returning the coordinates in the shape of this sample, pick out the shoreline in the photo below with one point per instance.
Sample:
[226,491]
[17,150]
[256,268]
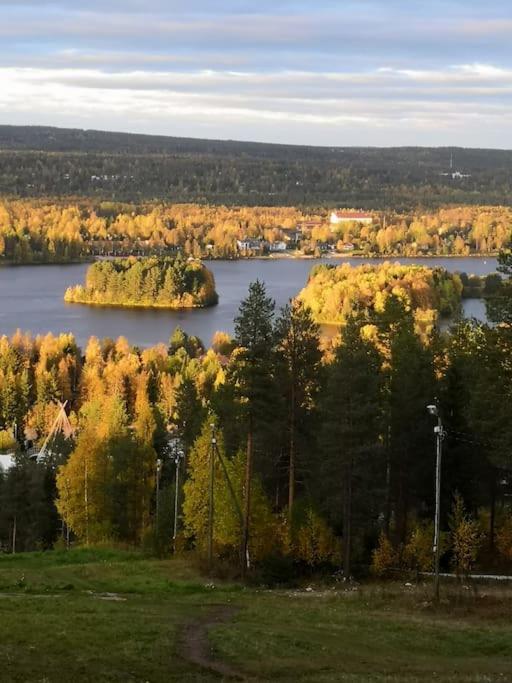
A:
[380,257]
[268,257]
[162,307]
[74,262]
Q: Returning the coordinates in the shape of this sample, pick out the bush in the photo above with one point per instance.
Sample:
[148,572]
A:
[277,570]
[504,538]
[315,543]
[7,441]
[384,557]
[466,538]
[418,552]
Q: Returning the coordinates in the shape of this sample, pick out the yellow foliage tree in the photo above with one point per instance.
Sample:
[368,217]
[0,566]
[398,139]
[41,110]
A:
[465,536]
[315,543]
[227,523]
[384,556]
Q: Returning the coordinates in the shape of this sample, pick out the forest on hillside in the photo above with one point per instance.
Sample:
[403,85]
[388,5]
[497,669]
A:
[33,231]
[165,282]
[41,161]
[324,454]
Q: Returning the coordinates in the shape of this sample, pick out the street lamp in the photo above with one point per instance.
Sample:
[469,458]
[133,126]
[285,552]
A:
[439,432]
[158,473]
[210,497]
[177,454]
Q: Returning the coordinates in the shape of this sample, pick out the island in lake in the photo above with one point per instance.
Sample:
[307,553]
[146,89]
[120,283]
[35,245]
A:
[154,282]
[333,293]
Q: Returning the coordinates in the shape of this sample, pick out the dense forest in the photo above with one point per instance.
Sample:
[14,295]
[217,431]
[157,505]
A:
[41,162]
[321,457]
[163,282]
[34,231]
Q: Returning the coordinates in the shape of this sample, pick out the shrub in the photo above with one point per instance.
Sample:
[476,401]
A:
[7,441]
[384,557]
[315,542]
[504,538]
[465,536]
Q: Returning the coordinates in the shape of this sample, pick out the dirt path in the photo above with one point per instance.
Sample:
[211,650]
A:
[195,646]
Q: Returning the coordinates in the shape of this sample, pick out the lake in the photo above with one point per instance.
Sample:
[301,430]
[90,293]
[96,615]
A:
[31,298]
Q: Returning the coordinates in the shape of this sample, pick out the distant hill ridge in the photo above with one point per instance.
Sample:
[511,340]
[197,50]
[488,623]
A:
[54,139]
[38,161]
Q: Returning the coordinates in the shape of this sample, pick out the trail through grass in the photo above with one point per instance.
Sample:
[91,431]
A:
[105,615]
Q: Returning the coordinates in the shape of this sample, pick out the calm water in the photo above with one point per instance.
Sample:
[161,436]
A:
[31,298]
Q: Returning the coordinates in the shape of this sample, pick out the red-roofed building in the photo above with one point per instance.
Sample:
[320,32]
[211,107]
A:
[338,217]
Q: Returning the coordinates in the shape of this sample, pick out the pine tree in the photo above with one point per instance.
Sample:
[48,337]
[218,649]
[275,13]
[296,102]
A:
[252,376]
[499,306]
[410,386]
[352,422]
[299,359]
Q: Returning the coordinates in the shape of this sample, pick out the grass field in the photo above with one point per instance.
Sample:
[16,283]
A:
[100,615]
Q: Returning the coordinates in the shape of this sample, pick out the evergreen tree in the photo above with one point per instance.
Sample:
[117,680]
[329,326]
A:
[411,385]
[189,412]
[299,359]
[499,306]
[252,375]
[352,424]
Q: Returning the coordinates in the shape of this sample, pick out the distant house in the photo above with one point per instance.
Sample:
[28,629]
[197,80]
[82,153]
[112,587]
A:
[348,246]
[6,461]
[292,236]
[338,217]
[308,225]
[325,247]
[247,244]
[277,246]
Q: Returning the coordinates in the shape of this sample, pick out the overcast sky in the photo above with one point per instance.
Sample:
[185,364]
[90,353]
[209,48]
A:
[381,72]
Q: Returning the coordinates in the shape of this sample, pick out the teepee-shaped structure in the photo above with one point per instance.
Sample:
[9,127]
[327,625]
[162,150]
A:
[61,425]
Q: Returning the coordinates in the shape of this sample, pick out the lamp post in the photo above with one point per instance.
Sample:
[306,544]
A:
[158,473]
[439,432]
[177,454]
[210,496]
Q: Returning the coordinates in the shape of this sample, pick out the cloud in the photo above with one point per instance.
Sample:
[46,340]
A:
[384,98]
[236,68]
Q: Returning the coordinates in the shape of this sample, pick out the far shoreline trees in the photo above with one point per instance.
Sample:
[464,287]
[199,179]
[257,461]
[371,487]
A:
[62,231]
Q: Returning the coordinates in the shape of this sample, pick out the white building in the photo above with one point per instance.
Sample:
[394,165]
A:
[277,246]
[338,217]
[6,461]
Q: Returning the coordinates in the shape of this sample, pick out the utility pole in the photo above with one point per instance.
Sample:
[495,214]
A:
[439,432]
[210,499]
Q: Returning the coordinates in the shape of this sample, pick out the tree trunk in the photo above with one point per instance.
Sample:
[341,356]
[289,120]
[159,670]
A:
[14,536]
[291,470]
[247,510]
[492,516]
[347,521]
[387,508]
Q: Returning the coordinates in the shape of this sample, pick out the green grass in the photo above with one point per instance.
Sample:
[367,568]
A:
[57,624]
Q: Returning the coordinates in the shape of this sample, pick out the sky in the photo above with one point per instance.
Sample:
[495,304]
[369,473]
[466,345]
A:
[336,73]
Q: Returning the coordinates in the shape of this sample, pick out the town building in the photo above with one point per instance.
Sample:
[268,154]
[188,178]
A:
[338,217]
[247,244]
[277,246]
